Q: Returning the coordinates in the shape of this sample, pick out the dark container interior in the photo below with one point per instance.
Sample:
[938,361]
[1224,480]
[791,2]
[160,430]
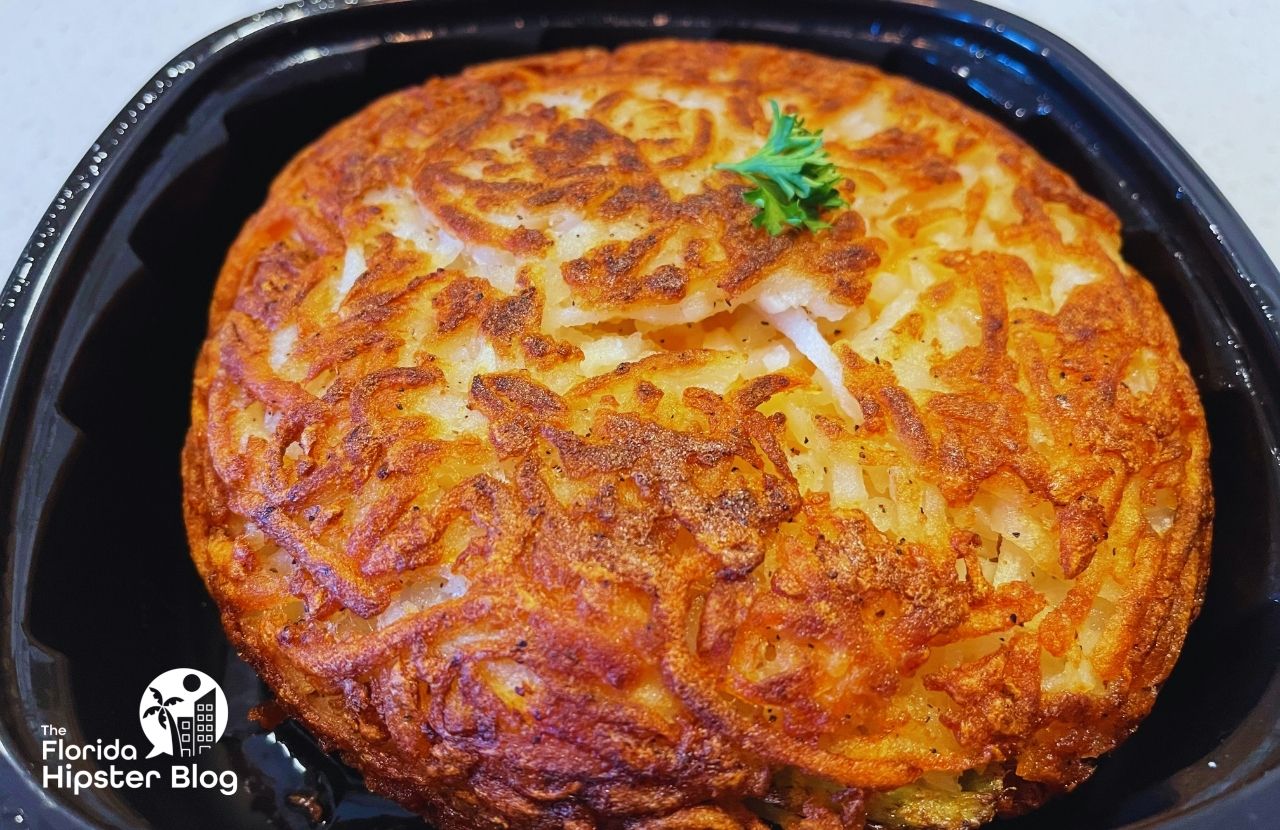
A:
[101,321]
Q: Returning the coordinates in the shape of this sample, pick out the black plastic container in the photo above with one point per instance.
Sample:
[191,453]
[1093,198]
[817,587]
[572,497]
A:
[99,594]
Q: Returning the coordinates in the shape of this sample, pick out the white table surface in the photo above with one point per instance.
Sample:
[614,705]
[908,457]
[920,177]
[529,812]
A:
[1204,69]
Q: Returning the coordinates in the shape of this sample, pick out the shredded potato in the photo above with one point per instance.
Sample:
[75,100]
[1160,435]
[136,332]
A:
[553,493]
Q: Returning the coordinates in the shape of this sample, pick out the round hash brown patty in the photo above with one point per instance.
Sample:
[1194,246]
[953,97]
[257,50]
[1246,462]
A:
[551,492]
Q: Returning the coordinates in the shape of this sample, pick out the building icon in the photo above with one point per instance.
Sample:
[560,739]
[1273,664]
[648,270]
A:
[198,732]
[185,738]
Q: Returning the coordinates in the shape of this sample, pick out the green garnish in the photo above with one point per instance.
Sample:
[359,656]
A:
[794,180]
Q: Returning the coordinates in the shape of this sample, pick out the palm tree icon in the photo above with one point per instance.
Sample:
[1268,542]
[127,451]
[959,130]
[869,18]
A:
[161,711]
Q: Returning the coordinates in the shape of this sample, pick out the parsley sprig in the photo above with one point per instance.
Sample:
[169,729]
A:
[794,180]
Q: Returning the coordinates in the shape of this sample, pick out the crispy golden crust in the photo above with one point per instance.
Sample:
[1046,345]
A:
[552,493]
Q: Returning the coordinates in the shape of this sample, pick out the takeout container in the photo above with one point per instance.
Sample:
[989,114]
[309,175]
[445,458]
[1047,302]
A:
[101,319]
